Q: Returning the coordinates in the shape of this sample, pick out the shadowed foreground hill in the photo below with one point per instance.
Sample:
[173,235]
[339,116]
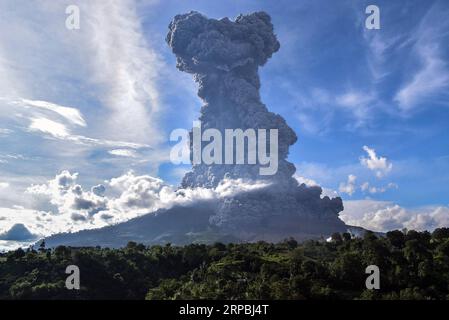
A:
[414,265]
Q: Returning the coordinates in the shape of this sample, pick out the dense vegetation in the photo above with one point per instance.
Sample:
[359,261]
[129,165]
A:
[413,265]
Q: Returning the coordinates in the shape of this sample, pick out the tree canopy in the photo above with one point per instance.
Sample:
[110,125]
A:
[413,265]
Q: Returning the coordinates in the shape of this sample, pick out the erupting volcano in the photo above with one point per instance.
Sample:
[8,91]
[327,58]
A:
[224,57]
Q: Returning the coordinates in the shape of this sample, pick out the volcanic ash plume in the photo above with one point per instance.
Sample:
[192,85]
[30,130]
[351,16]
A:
[224,57]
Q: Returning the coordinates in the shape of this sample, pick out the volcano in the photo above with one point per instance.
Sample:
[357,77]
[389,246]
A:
[224,57]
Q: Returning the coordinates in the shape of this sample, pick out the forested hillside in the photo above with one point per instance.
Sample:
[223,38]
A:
[413,265]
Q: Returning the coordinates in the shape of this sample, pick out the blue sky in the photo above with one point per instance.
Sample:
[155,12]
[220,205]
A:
[102,100]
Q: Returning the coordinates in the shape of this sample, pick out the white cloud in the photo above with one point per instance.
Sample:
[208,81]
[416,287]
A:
[430,80]
[179,172]
[308,182]
[124,67]
[349,187]
[378,164]
[60,131]
[4,185]
[124,153]
[71,114]
[374,190]
[312,183]
[69,197]
[378,45]
[5,158]
[358,103]
[37,222]
[144,193]
[89,90]
[44,116]
[366,187]
[53,128]
[132,195]
[353,99]
[5,132]
[108,65]
[122,198]
[318,108]
[384,216]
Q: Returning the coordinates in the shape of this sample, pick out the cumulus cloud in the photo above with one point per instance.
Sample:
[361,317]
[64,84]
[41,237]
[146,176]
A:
[98,190]
[145,193]
[380,165]
[69,197]
[4,185]
[127,196]
[350,186]
[384,216]
[20,227]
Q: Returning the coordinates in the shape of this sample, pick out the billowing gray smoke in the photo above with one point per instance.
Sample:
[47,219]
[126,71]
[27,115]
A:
[224,57]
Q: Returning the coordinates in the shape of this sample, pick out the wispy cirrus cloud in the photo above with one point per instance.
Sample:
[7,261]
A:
[43,116]
[71,114]
[317,109]
[123,153]
[69,96]
[50,127]
[358,103]
[55,121]
[125,69]
[60,131]
[5,132]
[417,54]
[429,80]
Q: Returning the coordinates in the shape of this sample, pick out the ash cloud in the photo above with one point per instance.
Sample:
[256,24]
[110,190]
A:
[224,57]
